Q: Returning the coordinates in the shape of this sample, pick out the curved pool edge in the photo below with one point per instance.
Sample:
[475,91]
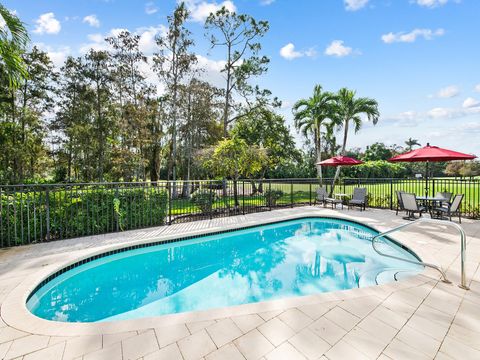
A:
[15,313]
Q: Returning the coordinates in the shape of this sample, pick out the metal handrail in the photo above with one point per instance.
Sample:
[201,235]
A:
[463,243]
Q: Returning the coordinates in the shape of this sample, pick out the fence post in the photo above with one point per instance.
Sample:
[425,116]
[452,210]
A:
[391,193]
[211,185]
[270,194]
[117,220]
[433,187]
[47,213]
[169,191]
[243,197]
[291,193]
[310,194]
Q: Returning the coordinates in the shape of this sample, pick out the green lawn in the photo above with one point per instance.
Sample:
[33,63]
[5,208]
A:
[381,195]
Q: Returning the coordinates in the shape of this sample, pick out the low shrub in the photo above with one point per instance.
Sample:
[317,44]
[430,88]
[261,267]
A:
[271,196]
[204,199]
[78,211]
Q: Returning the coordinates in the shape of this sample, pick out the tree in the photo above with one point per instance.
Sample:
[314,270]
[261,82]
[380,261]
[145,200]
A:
[72,122]
[349,109]
[268,131]
[23,124]
[13,41]
[98,73]
[232,158]
[132,96]
[411,143]
[200,108]
[377,151]
[238,34]
[309,116]
[172,63]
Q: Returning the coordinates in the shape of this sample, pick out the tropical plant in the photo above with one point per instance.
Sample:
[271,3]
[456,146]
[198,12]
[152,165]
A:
[13,41]
[232,158]
[411,143]
[309,116]
[349,109]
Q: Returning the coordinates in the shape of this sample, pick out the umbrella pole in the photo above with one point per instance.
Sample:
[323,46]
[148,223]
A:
[426,179]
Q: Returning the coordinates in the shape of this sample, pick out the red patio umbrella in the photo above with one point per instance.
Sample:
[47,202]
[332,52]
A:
[340,160]
[431,153]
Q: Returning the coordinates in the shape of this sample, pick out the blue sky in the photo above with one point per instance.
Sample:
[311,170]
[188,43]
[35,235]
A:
[418,58]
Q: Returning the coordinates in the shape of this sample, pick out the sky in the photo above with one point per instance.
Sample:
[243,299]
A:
[418,58]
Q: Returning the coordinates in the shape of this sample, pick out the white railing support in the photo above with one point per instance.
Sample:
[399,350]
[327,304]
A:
[463,248]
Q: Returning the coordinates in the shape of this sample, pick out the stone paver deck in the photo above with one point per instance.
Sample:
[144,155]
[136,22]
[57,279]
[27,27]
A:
[417,318]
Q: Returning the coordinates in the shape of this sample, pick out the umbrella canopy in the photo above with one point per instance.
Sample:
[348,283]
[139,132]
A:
[431,153]
[340,161]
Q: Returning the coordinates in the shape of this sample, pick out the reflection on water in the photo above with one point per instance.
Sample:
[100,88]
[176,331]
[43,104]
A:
[300,257]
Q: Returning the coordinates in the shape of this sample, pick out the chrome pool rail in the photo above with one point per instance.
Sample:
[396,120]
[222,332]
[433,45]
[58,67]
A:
[463,245]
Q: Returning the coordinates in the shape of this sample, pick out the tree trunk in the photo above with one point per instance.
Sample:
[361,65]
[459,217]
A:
[227,94]
[319,155]
[344,147]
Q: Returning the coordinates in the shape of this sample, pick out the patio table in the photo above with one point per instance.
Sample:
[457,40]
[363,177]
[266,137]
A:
[429,202]
[341,196]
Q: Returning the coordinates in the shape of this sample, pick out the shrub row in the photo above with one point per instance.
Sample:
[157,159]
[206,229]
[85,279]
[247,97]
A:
[28,216]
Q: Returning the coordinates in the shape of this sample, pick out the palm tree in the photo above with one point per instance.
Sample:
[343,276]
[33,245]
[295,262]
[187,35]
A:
[411,143]
[309,116]
[13,40]
[349,109]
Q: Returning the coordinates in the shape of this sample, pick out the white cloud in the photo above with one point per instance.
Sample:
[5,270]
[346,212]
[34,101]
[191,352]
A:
[211,70]
[150,8]
[414,118]
[471,127]
[47,24]
[411,36]
[431,3]
[288,52]
[92,20]
[470,102]
[354,5]
[448,92]
[451,113]
[477,88]
[147,43]
[336,48]
[266,2]
[199,9]
[57,55]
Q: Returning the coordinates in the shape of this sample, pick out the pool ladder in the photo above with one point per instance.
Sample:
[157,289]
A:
[463,244]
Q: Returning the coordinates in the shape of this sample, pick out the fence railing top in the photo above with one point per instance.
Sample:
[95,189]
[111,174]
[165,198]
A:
[180,181]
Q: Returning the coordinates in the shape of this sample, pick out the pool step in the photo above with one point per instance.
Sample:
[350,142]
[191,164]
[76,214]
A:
[375,277]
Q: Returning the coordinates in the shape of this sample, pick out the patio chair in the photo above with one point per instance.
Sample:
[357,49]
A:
[321,196]
[399,202]
[410,205]
[452,209]
[359,198]
[445,195]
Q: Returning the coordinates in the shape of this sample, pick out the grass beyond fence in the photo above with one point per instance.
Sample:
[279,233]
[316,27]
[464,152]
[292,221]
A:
[37,213]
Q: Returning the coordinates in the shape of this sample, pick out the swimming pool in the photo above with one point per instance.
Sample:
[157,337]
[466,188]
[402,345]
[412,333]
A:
[291,258]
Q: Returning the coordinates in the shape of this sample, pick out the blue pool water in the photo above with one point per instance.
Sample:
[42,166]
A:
[293,258]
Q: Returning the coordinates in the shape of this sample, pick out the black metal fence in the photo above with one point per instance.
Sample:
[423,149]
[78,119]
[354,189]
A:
[37,213]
